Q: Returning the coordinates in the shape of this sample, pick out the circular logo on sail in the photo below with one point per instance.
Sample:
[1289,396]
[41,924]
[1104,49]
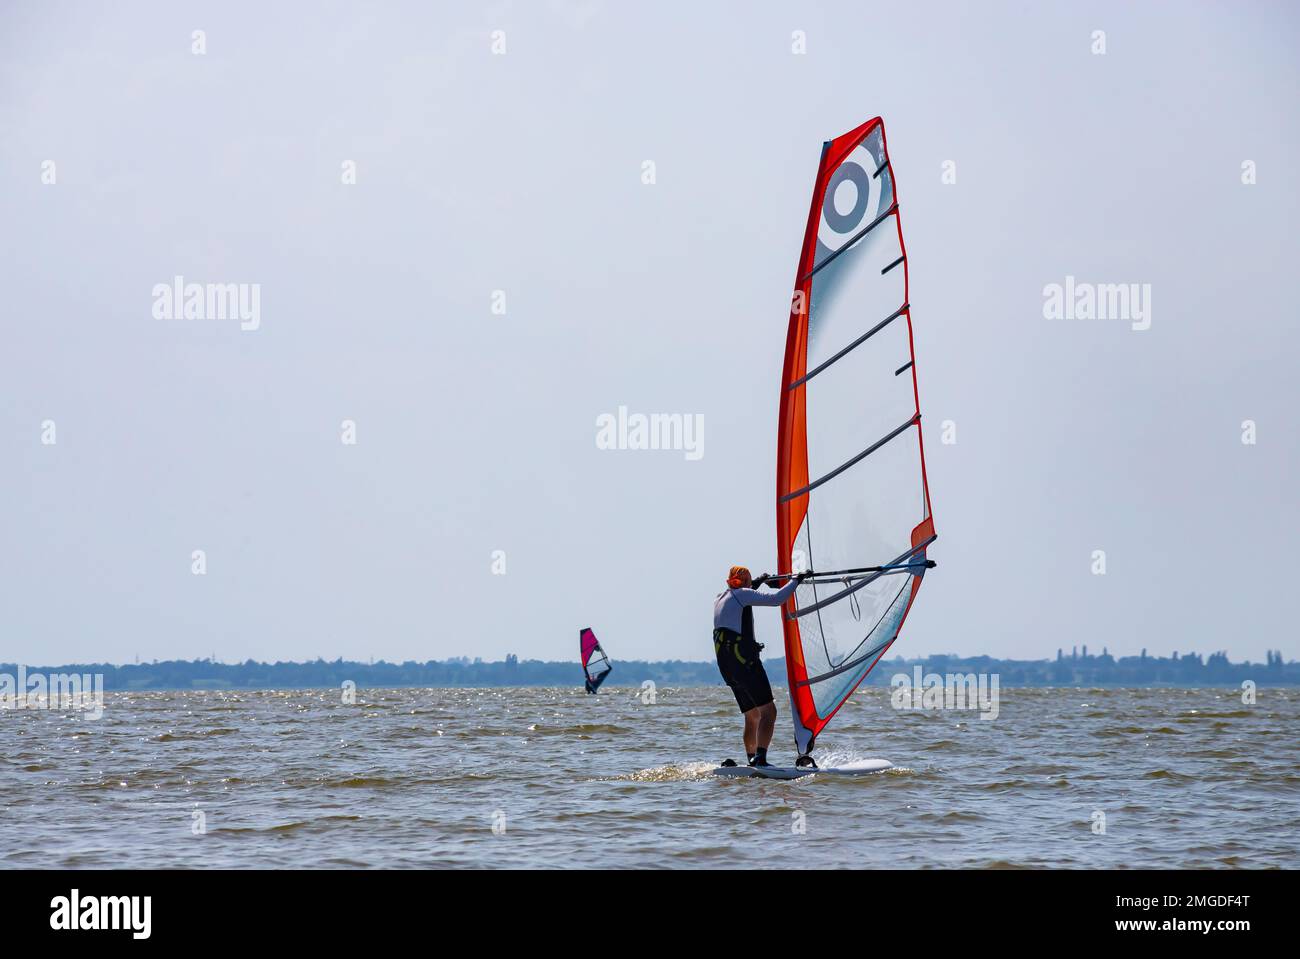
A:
[852,200]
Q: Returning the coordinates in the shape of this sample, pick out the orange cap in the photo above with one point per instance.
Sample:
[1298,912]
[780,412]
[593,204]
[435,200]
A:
[736,578]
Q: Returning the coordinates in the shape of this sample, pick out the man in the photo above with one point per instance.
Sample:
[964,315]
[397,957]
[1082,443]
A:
[737,651]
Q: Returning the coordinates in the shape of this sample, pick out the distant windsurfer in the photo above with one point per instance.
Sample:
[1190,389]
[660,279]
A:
[738,655]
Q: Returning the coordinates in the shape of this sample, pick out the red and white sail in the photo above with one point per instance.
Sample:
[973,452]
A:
[852,500]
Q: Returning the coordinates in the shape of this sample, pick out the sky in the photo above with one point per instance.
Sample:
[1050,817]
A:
[474,229]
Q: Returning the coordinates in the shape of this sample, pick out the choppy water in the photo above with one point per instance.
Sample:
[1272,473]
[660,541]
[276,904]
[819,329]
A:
[417,777]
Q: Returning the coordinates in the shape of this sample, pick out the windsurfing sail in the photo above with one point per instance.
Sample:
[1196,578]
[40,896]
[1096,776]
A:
[852,502]
[595,664]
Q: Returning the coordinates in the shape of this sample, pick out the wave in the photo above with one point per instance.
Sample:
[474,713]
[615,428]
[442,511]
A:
[673,772]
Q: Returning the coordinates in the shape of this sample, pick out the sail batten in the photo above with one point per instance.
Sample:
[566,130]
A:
[850,348]
[843,466]
[849,245]
[841,410]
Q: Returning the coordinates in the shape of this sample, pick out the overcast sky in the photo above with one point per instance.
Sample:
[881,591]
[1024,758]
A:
[133,152]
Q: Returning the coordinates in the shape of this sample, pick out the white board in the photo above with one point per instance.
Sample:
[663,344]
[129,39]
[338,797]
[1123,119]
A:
[862,767]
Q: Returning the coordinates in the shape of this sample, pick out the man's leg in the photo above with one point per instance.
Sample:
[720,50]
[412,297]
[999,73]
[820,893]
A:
[765,722]
[752,729]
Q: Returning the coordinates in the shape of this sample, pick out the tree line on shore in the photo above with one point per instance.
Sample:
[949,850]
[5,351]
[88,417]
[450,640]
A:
[1074,669]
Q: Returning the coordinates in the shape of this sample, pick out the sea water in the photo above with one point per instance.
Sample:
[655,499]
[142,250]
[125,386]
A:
[537,777]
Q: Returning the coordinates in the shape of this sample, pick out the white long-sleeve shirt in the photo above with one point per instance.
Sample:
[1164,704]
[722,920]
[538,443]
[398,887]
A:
[729,608]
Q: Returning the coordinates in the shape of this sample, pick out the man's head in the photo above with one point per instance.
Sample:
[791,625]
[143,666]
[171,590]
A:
[739,578]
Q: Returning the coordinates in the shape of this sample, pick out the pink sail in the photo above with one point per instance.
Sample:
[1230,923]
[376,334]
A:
[595,664]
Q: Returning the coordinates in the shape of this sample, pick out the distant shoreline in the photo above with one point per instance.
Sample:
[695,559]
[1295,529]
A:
[1073,670]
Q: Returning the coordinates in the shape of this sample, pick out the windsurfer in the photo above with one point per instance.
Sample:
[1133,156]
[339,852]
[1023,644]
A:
[738,655]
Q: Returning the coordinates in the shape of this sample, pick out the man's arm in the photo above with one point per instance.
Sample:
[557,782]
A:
[752,597]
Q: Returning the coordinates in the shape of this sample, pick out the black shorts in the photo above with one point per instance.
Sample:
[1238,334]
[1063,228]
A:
[740,667]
